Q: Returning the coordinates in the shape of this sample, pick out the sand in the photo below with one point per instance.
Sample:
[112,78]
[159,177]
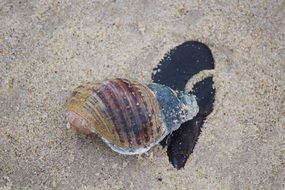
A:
[47,48]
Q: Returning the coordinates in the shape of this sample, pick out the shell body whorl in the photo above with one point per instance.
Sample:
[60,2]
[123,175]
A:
[129,116]
[125,114]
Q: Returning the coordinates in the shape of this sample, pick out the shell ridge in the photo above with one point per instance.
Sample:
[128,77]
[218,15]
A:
[133,112]
[108,101]
[137,93]
[95,104]
[144,134]
[117,94]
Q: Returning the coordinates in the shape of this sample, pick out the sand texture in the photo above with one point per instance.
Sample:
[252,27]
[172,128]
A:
[47,48]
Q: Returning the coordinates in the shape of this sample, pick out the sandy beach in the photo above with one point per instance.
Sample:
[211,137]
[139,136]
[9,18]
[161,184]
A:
[47,48]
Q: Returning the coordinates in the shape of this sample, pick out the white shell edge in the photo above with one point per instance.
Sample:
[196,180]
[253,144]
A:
[130,151]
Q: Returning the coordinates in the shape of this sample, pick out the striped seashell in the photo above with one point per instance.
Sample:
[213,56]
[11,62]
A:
[129,116]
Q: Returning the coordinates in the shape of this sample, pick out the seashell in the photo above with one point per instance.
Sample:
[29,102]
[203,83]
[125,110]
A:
[130,117]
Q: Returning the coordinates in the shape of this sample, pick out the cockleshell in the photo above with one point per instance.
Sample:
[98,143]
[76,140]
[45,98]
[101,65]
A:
[129,116]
